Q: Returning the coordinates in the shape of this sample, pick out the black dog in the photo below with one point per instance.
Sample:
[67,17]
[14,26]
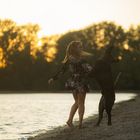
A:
[103,75]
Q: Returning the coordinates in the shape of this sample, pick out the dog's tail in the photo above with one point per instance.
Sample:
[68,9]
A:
[117,78]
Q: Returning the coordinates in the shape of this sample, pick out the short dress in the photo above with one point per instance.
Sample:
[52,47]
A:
[79,74]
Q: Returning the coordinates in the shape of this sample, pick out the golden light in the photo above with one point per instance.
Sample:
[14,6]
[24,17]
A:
[12,42]
[1,54]
[2,61]
[25,33]
[100,38]
[51,54]
[39,44]
[21,47]
[126,47]
[1,33]
[120,57]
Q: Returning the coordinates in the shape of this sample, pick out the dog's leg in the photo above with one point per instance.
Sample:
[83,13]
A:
[108,106]
[109,102]
[101,110]
[108,110]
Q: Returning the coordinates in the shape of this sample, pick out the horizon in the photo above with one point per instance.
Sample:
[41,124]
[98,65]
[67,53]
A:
[58,17]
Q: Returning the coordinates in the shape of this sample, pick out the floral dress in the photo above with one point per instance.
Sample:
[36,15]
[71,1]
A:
[79,73]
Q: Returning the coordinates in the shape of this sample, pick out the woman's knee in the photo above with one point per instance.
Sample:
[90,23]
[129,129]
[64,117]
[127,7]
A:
[81,102]
[76,103]
[82,105]
[81,98]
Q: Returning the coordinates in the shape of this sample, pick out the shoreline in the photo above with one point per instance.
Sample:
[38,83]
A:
[63,91]
[125,125]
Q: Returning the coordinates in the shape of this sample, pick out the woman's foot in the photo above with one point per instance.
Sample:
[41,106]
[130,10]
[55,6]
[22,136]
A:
[69,124]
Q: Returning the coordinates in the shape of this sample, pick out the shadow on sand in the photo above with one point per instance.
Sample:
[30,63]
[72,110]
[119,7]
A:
[125,125]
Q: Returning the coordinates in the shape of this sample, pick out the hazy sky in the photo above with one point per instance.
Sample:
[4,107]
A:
[58,16]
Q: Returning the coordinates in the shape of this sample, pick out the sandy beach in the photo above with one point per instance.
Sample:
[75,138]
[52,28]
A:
[125,126]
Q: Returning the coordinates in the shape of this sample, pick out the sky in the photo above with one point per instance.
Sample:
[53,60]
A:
[60,16]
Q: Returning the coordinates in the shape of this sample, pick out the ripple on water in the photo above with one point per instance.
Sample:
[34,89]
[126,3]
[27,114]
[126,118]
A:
[24,115]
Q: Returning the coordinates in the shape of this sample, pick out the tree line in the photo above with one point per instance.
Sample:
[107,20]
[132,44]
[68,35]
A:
[28,61]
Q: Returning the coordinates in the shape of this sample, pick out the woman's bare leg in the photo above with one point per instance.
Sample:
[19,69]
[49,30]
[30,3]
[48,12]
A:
[81,106]
[73,109]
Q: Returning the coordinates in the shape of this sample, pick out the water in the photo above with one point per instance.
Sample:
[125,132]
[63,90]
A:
[24,115]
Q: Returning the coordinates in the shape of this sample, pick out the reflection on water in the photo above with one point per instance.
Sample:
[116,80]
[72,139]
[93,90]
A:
[23,115]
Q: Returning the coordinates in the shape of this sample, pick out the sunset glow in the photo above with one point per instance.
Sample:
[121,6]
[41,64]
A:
[59,16]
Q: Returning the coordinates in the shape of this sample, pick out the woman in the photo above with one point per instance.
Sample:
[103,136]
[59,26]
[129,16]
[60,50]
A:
[74,61]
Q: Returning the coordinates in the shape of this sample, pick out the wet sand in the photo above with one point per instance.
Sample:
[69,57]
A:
[125,126]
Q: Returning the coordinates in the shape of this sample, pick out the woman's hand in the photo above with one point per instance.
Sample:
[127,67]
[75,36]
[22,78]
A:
[50,81]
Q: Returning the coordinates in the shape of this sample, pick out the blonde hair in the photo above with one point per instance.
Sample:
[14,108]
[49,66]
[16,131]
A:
[70,51]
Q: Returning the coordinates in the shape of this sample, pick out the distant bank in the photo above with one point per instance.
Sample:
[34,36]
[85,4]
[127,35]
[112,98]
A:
[62,91]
